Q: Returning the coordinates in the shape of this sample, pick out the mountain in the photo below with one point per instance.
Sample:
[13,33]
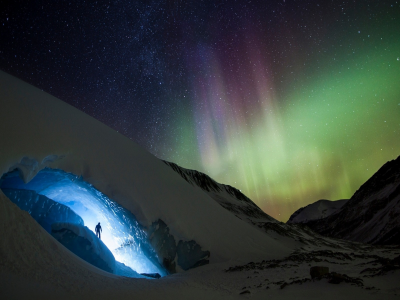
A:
[246,210]
[317,210]
[39,132]
[372,215]
[227,196]
[211,241]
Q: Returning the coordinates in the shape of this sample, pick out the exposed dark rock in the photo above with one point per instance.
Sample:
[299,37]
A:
[151,275]
[296,213]
[169,264]
[191,256]
[318,271]
[298,281]
[294,259]
[372,215]
[187,254]
[227,196]
[164,244]
[386,266]
[317,210]
[194,177]
[337,278]
[243,208]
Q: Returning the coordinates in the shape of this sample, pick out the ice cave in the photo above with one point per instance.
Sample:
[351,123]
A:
[69,209]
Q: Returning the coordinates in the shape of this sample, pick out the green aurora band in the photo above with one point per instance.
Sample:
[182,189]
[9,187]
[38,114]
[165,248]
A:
[329,136]
[288,101]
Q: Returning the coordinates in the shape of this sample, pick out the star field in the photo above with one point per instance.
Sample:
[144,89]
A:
[289,101]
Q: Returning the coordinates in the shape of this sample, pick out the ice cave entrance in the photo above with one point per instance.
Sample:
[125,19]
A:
[121,233]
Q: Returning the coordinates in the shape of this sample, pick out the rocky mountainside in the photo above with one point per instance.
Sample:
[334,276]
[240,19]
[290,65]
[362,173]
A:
[227,196]
[317,210]
[246,210]
[372,215]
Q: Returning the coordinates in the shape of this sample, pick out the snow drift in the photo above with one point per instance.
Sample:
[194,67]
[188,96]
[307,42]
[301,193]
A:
[184,213]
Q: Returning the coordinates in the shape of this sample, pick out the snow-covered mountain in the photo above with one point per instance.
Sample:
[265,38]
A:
[227,196]
[315,211]
[39,131]
[153,213]
[246,210]
[372,215]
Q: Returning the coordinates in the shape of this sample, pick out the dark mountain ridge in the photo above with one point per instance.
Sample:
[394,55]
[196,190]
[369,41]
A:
[225,195]
[245,209]
[372,215]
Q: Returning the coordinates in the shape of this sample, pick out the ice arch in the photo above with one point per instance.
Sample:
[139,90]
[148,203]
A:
[122,234]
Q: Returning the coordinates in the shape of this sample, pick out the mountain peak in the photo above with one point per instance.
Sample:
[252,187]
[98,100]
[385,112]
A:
[370,216]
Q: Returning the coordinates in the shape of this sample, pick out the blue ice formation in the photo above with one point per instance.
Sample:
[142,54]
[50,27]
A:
[122,234]
[44,210]
[84,243]
[123,270]
[184,254]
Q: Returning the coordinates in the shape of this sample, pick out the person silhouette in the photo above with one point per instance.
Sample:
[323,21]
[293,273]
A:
[98,229]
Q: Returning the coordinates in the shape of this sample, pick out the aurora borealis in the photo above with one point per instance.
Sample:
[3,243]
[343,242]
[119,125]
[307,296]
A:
[289,101]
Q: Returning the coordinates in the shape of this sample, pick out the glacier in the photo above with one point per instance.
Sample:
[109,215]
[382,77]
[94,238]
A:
[132,177]
[44,210]
[59,200]
[39,131]
[84,243]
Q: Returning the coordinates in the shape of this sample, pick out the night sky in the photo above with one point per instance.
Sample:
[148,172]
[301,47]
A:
[289,101]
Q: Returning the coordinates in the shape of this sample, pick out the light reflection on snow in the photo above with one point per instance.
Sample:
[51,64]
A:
[121,233]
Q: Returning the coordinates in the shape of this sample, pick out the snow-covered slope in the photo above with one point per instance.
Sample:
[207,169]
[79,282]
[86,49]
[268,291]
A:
[317,210]
[227,196]
[38,130]
[372,215]
[33,265]
[246,210]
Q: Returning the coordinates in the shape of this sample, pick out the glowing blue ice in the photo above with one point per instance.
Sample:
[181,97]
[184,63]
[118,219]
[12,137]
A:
[122,234]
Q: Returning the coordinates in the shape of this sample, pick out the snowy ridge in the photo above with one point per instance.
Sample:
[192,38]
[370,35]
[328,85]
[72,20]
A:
[227,196]
[40,131]
[120,169]
[246,210]
[372,215]
[224,222]
[317,210]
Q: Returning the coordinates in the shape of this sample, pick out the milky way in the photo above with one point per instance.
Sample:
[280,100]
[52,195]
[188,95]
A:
[289,101]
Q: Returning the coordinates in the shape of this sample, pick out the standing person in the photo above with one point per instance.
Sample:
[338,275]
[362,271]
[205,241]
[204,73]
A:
[98,229]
